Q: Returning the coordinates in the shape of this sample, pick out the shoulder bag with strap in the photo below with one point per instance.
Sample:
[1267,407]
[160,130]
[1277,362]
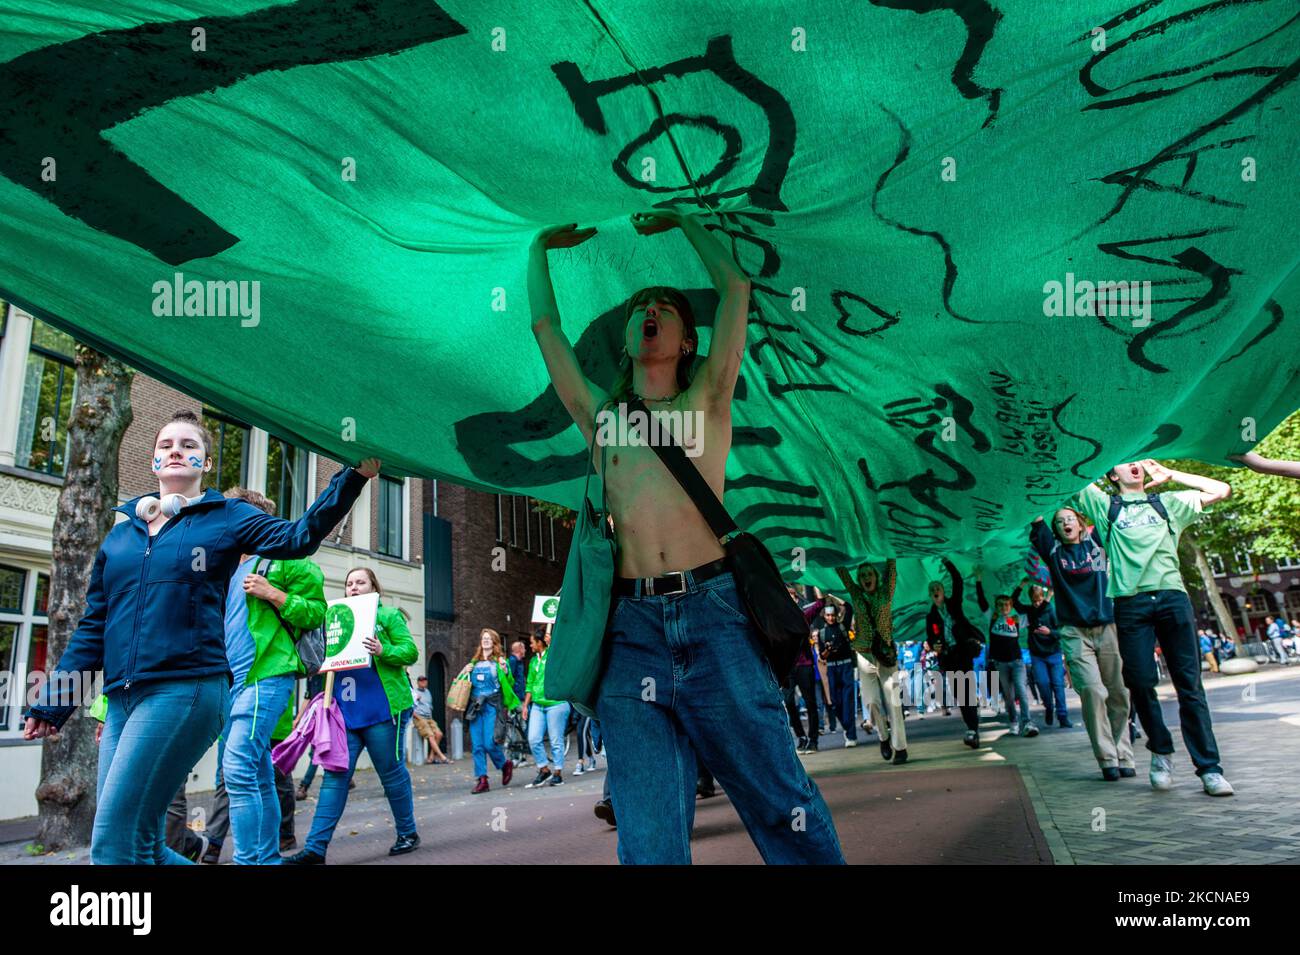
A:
[310,644]
[777,619]
[576,654]
[1118,504]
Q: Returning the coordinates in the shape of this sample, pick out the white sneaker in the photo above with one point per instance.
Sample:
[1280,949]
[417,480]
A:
[849,743]
[580,770]
[1216,785]
[1162,773]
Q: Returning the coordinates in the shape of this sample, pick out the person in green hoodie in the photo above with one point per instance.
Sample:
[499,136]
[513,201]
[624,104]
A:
[268,604]
[376,702]
[544,718]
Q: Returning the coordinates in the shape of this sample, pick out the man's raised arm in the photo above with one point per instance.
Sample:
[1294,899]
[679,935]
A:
[1211,490]
[579,395]
[1265,465]
[717,376]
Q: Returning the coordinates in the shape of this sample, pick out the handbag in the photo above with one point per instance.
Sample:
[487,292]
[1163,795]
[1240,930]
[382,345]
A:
[576,656]
[777,619]
[458,695]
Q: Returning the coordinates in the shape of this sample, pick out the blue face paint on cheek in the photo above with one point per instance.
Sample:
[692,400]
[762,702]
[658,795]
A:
[196,462]
[157,463]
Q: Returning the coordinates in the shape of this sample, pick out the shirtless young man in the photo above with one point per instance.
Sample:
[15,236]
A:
[684,672]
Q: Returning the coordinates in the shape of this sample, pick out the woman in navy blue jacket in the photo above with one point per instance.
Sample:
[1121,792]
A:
[155,624]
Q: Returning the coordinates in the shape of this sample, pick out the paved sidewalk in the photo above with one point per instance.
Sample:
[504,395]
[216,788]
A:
[1017,801]
[1089,821]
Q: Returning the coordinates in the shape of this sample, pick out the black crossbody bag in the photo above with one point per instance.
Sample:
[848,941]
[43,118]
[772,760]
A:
[778,620]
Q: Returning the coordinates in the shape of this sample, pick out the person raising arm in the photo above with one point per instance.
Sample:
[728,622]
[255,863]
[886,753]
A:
[674,593]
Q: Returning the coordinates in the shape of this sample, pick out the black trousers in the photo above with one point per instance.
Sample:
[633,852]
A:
[1165,617]
[805,680]
[959,681]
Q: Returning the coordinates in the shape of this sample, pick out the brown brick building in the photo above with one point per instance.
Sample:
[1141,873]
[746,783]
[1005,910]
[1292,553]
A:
[433,545]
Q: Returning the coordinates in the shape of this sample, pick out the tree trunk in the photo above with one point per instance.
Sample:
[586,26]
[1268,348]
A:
[101,414]
[1227,626]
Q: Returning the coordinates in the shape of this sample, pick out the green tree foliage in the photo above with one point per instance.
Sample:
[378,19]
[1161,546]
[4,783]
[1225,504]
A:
[1262,517]
[558,511]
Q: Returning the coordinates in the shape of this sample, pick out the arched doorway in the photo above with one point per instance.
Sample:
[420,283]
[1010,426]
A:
[437,673]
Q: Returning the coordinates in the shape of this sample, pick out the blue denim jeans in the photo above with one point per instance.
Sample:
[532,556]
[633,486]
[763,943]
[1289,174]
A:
[684,674]
[481,732]
[153,736]
[916,683]
[380,741]
[1014,689]
[247,771]
[548,721]
[1049,674]
[840,678]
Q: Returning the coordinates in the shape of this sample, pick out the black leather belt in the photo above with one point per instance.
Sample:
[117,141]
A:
[674,583]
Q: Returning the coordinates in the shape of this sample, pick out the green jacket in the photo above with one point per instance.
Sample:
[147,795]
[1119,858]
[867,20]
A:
[400,652]
[304,609]
[537,679]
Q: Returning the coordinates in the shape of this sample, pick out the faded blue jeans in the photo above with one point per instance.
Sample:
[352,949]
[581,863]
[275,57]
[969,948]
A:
[548,721]
[1049,674]
[247,771]
[1015,689]
[381,742]
[153,736]
[482,738]
[684,674]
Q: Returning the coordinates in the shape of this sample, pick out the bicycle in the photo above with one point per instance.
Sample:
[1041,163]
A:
[516,741]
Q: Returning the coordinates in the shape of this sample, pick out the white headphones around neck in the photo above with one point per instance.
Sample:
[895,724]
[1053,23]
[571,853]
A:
[148,508]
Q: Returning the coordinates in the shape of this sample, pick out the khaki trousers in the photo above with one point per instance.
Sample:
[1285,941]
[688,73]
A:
[879,686]
[1092,654]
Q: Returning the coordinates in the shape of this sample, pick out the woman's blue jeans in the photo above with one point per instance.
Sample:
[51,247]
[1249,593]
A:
[153,736]
[549,721]
[1049,674]
[685,675]
[481,731]
[381,742]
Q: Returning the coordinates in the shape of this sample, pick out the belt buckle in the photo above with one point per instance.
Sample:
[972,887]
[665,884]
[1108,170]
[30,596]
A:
[649,585]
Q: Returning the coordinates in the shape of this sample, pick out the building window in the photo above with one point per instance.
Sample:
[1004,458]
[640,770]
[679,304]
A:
[391,517]
[552,523]
[24,632]
[229,452]
[47,401]
[528,525]
[514,520]
[287,477]
[1216,565]
[500,521]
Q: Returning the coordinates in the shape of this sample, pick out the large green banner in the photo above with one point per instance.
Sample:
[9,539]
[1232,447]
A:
[315,215]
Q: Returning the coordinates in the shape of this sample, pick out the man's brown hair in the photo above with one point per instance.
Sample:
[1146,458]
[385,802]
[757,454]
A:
[659,293]
[259,501]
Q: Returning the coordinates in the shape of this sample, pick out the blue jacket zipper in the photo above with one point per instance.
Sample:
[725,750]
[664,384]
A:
[139,610]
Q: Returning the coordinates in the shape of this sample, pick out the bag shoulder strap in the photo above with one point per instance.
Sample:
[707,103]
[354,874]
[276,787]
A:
[691,480]
[1158,506]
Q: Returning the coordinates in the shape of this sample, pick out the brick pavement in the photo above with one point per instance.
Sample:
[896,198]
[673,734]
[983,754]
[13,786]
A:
[1015,800]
